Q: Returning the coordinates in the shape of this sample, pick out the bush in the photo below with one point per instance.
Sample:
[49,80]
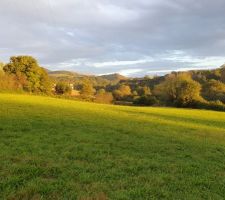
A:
[146,101]
[211,105]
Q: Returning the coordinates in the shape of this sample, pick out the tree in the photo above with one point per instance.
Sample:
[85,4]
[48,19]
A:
[179,90]
[122,92]
[31,76]
[101,91]
[117,94]
[144,91]
[63,88]
[125,90]
[87,89]
[214,90]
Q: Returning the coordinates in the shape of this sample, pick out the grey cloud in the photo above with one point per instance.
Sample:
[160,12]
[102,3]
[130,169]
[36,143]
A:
[59,32]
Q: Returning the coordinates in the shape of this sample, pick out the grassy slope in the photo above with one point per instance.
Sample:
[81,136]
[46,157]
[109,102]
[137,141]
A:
[61,149]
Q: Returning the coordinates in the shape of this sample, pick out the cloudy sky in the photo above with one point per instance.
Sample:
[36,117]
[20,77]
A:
[131,37]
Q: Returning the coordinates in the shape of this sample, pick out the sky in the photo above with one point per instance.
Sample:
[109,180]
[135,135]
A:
[130,37]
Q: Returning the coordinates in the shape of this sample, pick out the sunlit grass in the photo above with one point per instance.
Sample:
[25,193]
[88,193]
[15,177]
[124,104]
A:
[61,149]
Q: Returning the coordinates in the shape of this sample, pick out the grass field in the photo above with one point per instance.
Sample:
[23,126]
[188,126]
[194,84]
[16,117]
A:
[61,149]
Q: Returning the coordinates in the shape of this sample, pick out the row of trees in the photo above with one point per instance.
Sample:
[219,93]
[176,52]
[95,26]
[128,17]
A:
[180,90]
[177,89]
[187,89]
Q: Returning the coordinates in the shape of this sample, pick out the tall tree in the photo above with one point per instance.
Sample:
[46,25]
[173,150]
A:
[178,89]
[32,77]
[87,88]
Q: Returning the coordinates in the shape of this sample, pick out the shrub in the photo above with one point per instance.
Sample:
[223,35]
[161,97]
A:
[211,105]
[147,100]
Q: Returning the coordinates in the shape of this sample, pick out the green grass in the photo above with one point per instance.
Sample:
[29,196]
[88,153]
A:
[61,149]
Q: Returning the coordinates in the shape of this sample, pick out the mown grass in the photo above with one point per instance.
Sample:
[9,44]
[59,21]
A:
[61,149]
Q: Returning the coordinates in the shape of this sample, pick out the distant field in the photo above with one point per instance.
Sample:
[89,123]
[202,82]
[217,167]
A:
[61,149]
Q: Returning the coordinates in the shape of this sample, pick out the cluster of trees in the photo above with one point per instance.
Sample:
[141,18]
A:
[194,89]
[24,72]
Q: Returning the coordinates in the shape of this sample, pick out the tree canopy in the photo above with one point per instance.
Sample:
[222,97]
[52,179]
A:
[63,88]
[178,89]
[30,75]
[214,90]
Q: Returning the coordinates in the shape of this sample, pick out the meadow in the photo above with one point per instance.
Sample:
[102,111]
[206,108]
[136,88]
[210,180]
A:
[62,149]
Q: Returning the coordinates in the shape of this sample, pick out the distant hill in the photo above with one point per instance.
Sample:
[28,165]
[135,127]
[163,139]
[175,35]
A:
[114,77]
[73,76]
[62,73]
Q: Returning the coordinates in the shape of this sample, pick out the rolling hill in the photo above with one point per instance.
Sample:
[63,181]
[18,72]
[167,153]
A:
[114,77]
[72,76]
[61,149]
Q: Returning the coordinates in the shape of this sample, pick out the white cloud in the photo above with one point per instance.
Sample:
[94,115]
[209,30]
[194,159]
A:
[120,63]
[128,72]
[70,34]
[179,56]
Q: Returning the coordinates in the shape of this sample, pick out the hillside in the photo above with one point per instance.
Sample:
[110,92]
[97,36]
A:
[62,73]
[61,149]
[114,77]
[73,76]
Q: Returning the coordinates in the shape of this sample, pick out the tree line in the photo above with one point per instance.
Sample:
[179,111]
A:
[191,89]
